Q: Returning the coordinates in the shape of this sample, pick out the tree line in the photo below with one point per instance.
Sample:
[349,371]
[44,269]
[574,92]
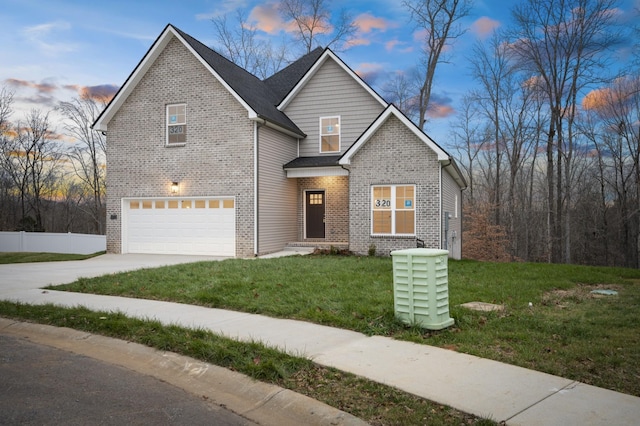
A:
[549,138]
[47,183]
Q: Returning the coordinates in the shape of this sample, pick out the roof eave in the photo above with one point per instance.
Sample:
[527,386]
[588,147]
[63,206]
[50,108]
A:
[382,118]
[316,66]
[287,131]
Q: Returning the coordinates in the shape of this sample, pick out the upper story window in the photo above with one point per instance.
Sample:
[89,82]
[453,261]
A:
[393,210]
[330,134]
[176,124]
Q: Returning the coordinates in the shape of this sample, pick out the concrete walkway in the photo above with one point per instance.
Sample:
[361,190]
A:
[479,386]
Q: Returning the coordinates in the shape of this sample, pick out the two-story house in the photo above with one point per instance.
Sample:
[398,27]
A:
[205,158]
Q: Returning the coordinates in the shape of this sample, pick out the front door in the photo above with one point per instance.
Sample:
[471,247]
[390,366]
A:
[315,214]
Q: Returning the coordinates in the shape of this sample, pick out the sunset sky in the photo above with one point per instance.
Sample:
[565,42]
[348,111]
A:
[54,50]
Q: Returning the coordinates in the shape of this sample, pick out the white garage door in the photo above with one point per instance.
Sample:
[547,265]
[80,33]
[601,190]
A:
[180,226]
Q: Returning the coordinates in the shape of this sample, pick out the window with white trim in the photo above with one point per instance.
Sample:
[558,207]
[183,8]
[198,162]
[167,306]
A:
[176,124]
[330,134]
[393,210]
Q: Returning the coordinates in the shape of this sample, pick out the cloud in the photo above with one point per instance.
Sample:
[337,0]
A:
[484,26]
[370,72]
[43,38]
[440,111]
[420,35]
[267,19]
[358,41]
[440,106]
[102,92]
[366,23]
[222,7]
[40,87]
[392,44]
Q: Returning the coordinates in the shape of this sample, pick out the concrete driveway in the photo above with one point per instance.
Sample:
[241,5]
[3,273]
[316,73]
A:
[18,277]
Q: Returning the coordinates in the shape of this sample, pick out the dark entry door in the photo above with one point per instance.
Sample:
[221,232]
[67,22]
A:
[315,214]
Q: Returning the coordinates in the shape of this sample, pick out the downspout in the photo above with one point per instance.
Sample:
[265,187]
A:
[256,188]
[440,204]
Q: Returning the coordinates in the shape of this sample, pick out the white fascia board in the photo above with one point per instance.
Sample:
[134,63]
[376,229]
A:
[142,68]
[316,172]
[392,110]
[133,79]
[314,69]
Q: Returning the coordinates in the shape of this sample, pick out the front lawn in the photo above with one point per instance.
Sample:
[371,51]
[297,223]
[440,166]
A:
[567,330]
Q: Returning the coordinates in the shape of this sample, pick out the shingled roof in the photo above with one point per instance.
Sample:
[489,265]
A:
[320,161]
[284,80]
[255,92]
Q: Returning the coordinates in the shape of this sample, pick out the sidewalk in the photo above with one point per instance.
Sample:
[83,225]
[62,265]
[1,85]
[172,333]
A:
[478,386]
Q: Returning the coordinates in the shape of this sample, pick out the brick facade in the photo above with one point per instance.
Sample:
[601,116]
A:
[394,155]
[217,159]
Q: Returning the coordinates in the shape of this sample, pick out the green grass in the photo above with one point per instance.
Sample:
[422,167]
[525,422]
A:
[25,257]
[566,332]
[370,401]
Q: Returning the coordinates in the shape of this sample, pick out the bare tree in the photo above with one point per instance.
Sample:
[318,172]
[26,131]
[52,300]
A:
[239,42]
[564,44]
[6,102]
[613,126]
[315,26]
[88,154]
[438,19]
[6,184]
[401,90]
[469,141]
[32,159]
[491,67]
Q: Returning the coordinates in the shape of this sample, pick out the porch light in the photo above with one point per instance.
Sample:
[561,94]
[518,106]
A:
[175,187]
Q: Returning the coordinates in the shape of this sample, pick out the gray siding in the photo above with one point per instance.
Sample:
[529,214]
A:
[451,203]
[277,195]
[216,160]
[394,155]
[332,92]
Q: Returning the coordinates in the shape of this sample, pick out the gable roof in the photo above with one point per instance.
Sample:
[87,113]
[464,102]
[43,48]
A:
[284,80]
[251,92]
[443,157]
[327,55]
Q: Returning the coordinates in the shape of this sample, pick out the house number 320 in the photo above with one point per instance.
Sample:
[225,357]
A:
[383,203]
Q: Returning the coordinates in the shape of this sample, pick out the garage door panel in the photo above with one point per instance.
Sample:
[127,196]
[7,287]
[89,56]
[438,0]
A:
[204,228]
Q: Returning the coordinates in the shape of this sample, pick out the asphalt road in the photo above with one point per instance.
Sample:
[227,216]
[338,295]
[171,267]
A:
[47,386]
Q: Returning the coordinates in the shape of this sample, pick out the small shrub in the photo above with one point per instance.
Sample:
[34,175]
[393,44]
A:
[372,250]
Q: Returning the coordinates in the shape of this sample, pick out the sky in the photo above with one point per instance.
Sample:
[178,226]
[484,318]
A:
[54,50]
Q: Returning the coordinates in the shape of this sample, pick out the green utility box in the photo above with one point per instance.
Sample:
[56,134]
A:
[421,287]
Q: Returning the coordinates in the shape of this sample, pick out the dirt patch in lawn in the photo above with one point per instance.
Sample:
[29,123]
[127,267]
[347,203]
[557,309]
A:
[580,293]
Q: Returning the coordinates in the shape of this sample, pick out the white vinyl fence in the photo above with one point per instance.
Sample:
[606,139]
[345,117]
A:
[52,243]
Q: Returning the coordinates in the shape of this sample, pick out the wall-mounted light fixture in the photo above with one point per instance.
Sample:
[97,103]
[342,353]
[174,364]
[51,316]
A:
[175,187]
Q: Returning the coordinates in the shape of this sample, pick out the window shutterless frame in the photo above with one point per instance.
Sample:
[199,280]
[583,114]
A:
[393,210]
[176,124]
[330,134]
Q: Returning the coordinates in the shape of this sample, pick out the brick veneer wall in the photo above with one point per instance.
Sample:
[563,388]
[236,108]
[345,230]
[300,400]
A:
[336,206]
[394,155]
[217,159]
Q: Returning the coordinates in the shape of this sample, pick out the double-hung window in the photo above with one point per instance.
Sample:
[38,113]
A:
[176,124]
[330,134]
[393,210]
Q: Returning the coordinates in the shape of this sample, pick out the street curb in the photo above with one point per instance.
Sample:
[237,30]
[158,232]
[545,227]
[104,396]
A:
[259,402]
